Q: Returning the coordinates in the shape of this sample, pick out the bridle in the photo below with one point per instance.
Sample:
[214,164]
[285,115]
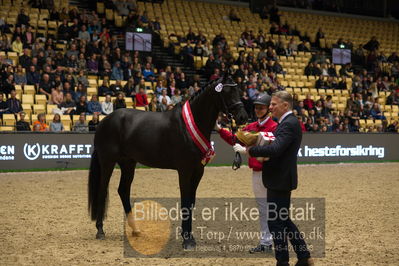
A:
[232,125]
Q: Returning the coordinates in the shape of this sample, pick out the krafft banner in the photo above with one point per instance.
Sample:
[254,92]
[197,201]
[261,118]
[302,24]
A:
[73,150]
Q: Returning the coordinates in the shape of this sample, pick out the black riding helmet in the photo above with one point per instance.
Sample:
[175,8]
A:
[263,99]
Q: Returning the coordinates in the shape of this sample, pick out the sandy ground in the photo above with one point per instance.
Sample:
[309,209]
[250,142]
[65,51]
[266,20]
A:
[44,220]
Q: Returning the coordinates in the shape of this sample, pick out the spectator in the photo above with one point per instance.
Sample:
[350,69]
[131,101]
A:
[176,98]
[117,72]
[8,85]
[13,104]
[147,72]
[141,98]
[17,45]
[376,112]
[116,87]
[94,122]
[68,106]
[92,64]
[57,95]
[80,91]
[93,106]
[84,34]
[81,125]
[119,101]
[164,101]
[25,60]
[3,105]
[81,106]
[308,102]
[20,77]
[45,86]
[107,107]
[104,90]
[130,89]
[40,124]
[56,125]
[372,45]
[21,124]
[22,19]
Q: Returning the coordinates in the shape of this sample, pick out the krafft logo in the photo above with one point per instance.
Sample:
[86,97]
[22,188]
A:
[55,151]
[32,152]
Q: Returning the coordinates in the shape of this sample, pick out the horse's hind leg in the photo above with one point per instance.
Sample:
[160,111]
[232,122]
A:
[106,172]
[127,175]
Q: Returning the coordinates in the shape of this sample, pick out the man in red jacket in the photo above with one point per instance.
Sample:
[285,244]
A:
[264,124]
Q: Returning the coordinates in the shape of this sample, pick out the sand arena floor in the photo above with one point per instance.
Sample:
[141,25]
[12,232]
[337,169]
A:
[44,220]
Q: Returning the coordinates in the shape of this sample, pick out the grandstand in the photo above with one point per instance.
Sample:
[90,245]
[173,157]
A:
[177,19]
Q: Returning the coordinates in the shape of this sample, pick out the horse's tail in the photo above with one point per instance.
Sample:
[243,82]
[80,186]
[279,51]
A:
[94,186]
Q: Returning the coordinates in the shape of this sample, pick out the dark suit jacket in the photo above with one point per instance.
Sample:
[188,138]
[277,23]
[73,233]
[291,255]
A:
[280,171]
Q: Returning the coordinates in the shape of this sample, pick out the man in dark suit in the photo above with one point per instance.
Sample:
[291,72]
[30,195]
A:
[280,177]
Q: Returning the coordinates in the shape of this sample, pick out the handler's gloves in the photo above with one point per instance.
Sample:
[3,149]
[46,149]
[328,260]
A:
[240,149]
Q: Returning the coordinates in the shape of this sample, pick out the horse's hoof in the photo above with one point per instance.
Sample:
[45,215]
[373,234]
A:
[189,244]
[136,233]
[100,236]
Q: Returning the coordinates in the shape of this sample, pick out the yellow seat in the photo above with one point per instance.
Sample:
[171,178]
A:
[40,99]
[6,128]
[8,120]
[142,108]
[39,108]
[27,99]
[91,91]
[29,89]
[129,101]
[27,108]
[50,108]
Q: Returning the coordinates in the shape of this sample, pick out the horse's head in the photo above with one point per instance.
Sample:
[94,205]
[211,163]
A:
[230,102]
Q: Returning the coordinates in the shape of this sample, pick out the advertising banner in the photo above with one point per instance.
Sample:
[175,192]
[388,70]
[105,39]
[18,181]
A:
[72,150]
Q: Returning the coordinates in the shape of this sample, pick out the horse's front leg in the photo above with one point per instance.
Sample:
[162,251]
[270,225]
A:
[188,182]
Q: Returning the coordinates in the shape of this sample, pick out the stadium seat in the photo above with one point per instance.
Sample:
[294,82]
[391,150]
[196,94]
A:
[7,128]
[29,89]
[27,108]
[27,99]
[39,108]
[91,91]
[9,120]
[40,99]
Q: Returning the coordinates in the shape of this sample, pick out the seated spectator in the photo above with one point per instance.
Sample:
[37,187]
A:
[84,34]
[21,124]
[141,99]
[80,91]
[81,125]
[41,123]
[176,98]
[46,86]
[119,101]
[117,72]
[22,19]
[159,87]
[56,125]
[57,95]
[13,104]
[104,89]
[94,106]
[393,127]
[107,107]
[81,106]
[147,72]
[376,112]
[190,37]
[20,76]
[392,99]
[83,79]
[8,85]
[94,122]
[302,46]
[17,45]
[92,64]
[116,87]
[308,102]
[3,105]
[68,106]
[164,101]
[130,88]
[181,82]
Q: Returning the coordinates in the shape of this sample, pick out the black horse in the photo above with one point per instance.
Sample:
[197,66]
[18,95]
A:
[159,140]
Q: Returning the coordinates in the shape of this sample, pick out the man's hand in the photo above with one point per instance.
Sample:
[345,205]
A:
[240,149]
